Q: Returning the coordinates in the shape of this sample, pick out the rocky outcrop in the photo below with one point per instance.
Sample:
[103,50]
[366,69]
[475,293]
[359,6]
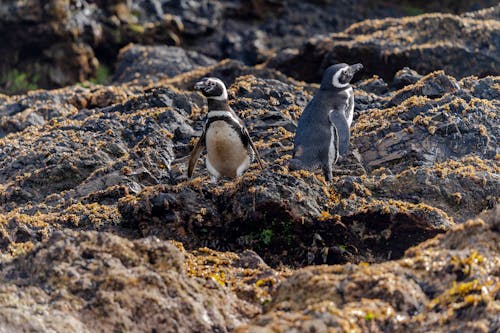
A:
[146,63]
[422,158]
[448,284]
[54,43]
[97,282]
[461,45]
[102,231]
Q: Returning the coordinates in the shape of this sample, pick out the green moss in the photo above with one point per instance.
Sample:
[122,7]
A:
[15,81]
[412,10]
[102,75]
[266,235]
[137,28]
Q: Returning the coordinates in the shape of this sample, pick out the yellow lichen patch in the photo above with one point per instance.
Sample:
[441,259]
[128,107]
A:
[487,107]
[466,167]
[421,120]
[361,189]
[325,216]
[16,216]
[255,284]
[457,197]
[466,265]
[306,174]
[332,196]
[17,249]
[482,130]
[375,120]
[282,159]
[464,294]
[392,206]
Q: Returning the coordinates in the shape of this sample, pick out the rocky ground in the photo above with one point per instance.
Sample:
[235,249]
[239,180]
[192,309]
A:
[101,230]
[50,44]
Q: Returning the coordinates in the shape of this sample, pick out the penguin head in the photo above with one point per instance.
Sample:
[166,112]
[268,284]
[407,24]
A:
[212,87]
[339,76]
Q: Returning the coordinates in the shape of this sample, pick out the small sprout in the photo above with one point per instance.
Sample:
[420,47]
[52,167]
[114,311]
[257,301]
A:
[266,236]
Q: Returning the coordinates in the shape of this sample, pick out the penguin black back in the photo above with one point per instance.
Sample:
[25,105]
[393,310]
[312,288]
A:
[323,129]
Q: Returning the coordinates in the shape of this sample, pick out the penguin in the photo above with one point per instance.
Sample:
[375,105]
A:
[230,150]
[323,130]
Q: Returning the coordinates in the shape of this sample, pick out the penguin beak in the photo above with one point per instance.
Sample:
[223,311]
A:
[201,85]
[356,68]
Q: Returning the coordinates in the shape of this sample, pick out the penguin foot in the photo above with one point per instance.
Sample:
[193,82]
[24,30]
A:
[295,164]
[214,179]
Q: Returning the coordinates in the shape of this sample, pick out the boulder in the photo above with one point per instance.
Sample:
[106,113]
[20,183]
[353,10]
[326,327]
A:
[447,284]
[138,62]
[460,45]
[96,282]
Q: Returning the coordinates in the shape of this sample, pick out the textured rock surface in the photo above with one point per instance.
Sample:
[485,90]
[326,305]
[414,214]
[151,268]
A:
[98,282]
[59,42]
[145,63]
[422,158]
[101,231]
[461,45]
[448,284]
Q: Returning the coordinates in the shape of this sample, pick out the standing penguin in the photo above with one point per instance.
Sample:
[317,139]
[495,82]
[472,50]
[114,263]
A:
[230,149]
[323,128]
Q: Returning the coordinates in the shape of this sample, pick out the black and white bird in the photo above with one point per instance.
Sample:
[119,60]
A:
[323,130]
[230,149]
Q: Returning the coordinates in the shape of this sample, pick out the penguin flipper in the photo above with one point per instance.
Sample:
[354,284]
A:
[338,120]
[195,154]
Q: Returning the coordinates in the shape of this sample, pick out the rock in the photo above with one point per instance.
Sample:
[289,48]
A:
[88,282]
[137,62]
[374,85]
[405,77]
[56,43]
[446,284]
[103,158]
[425,43]
[94,200]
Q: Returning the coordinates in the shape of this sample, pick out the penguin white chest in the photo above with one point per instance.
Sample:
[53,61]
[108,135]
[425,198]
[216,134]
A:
[226,154]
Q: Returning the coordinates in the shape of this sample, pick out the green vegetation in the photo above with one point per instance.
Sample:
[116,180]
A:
[102,75]
[137,28]
[412,10]
[15,82]
[266,235]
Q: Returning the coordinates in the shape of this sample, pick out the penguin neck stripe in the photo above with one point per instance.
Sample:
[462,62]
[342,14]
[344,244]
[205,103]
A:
[222,97]
[214,104]
[222,114]
[335,80]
